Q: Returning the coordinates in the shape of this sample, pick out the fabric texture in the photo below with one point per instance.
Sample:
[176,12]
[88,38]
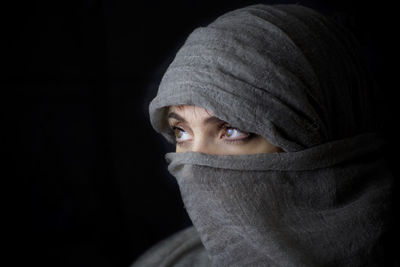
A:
[295,77]
[182,249]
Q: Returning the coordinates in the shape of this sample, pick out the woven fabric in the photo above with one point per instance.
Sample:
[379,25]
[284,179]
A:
[295,77]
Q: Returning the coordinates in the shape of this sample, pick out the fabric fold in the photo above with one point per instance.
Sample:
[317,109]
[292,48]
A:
[322,156]
[290,70]
[296,78]
[325,207]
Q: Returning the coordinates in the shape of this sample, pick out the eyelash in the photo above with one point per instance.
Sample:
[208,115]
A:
[221,127]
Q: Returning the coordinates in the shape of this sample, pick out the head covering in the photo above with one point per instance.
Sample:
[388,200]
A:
[289,74]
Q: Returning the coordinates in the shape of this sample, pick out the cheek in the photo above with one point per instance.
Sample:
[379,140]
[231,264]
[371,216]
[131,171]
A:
[235,149]
[265,147]
[255,146]
[180,149]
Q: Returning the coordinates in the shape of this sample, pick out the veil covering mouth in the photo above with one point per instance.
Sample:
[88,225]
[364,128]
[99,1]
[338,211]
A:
[297,78]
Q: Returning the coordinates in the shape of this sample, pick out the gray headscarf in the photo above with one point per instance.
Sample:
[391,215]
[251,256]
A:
[289,74]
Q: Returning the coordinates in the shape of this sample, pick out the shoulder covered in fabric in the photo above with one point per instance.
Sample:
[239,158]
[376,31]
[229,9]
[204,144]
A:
[183,248]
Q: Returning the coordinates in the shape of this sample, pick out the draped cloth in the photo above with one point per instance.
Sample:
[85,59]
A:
[297,78]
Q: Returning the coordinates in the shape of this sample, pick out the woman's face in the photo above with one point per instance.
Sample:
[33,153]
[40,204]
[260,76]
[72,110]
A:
[197,129]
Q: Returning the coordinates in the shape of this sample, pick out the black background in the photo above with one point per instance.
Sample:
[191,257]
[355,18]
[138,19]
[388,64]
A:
[90,186]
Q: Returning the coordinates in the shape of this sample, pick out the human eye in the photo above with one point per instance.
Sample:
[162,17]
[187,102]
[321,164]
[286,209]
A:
[234,135]
[180,134]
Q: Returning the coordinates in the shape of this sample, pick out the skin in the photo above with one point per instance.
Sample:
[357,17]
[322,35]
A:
[197,129]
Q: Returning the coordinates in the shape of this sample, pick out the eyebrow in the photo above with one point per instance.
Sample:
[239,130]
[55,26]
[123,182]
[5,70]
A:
[209,120]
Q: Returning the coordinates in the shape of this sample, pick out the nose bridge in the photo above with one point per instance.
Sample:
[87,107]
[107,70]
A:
[202,144]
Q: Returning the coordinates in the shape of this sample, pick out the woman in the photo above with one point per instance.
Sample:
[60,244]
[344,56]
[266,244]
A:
[278,152]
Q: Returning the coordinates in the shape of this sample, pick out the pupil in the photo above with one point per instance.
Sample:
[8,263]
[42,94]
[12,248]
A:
[229,132]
